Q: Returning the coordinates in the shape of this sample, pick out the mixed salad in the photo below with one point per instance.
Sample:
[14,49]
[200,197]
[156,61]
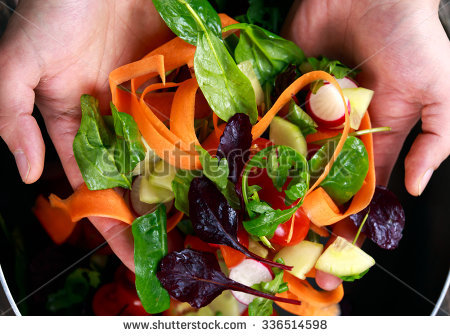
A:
[229,134]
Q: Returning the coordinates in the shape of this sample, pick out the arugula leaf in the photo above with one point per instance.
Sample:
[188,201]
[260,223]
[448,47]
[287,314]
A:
[218,171]
[262,306]
[227,90]
[180,187]
[281,162]
[354,277]
[269,53]
[76,289]
[335,68]
[268,220]
[106,157]
[187,18]
[348,172]
[302,119]
[150,246]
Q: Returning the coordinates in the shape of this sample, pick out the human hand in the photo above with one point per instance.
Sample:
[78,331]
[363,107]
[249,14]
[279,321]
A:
[52,52]
[403,53]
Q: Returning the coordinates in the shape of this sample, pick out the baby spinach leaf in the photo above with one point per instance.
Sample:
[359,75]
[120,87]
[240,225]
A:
[214,220]
[150,246]
[186,18]
[180,188]
[76,289]
[302,119]
[106,157]
[227,90]
[269,53]
[195,277]
[262,306]
[348,172]
[217,171]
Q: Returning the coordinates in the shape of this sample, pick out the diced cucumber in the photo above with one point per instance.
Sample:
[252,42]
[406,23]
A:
[344,259]
[225,304]
[302,256]
[246,68]
[257,248]
[360,99]
[149,193]
[283,132]
[146,166]
[162,175]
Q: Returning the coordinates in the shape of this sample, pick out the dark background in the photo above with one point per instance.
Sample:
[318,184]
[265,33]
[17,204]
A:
[30,259]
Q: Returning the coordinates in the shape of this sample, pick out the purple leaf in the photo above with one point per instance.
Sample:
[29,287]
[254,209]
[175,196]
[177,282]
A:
[195,277]
[235,143]
[386,219]
[215,221]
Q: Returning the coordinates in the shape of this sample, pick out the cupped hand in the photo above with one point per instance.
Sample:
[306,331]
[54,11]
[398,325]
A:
[52,52]
[404,54]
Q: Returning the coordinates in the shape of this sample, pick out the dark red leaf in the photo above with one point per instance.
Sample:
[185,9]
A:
[386,219]
[235,144]
[215,221]
[195,277]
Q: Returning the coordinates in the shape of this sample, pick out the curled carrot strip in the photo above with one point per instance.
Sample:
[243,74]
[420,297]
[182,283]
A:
[319,206]
[313,300]
[173,220]
[55,221]
[100,203]
[183,112]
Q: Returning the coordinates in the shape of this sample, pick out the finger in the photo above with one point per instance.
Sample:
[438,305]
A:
[18,128]
[429,149]
[347,230]
[119,237]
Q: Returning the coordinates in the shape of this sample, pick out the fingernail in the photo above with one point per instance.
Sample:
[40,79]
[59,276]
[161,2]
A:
[22,164]
[424,181]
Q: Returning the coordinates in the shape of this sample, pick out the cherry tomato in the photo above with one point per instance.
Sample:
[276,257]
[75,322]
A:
[259,144]
[231,256]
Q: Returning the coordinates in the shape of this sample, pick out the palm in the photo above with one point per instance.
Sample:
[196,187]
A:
[397,46]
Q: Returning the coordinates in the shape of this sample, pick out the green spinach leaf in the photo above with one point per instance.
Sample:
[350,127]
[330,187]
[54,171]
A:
[264,307]
[180,187]
[77,287]
[150,246]
[227,90]
[302,119]
[187,18]
[348,172]
[269,53]
[106,157]
[218,171]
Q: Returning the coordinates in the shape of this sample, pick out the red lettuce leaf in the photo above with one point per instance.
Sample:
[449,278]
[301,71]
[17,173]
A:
[215,221]
[195,277]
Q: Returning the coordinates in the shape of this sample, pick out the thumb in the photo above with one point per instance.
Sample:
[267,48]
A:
[429,149]
[18,128]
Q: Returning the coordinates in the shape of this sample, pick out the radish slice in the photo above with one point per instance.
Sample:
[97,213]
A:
[347,83]
[325,106]
[249,272]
